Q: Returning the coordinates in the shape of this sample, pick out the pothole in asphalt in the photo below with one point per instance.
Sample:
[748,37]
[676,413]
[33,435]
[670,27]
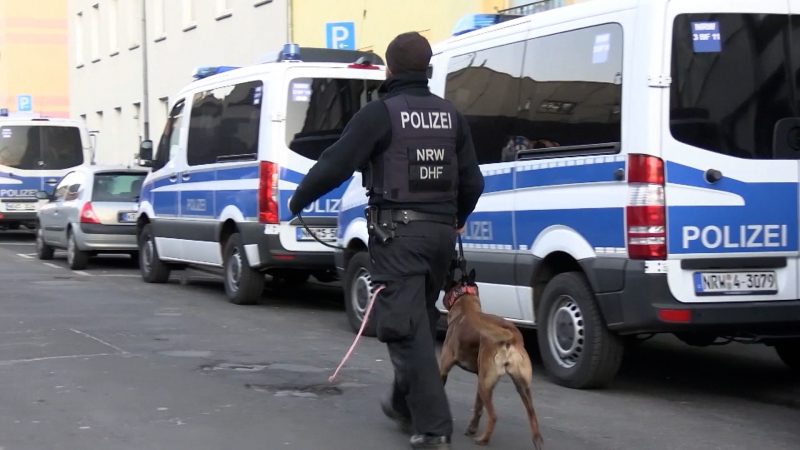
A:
[289,390]
[235,366]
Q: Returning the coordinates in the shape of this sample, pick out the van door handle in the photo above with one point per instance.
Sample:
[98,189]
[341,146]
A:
[713,175]
[173,178]
[52,181]
[186,177]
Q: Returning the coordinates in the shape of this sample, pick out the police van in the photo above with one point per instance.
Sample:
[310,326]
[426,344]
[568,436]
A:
[34,154]
[235,146]
[642,171]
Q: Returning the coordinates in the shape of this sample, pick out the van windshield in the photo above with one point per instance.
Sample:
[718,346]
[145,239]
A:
[319,108]
[40,147]
[734,84]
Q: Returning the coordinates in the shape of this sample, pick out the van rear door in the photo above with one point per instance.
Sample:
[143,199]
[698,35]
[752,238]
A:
[731,150]
[319,104]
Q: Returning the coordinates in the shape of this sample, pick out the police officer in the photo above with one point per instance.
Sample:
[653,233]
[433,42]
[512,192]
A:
[422,177]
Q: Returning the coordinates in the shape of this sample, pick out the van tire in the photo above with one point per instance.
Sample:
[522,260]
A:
[76,258]
[43,251]
[580,352]
[789,352]
[243,285]
[153,270]
[358,289]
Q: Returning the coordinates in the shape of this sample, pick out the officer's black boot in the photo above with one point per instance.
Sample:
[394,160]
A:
[430,442]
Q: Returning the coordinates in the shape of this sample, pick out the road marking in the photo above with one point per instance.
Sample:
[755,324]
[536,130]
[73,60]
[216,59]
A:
[9,362]
[23,255]
[17,243]
[80,272]
[120,275]
[54,266]
[82,333]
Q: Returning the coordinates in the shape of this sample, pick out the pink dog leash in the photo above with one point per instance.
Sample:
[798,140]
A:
[358,336]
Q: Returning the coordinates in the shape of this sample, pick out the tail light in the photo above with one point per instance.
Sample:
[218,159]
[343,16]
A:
[646,211]
[268,192]
[88,215]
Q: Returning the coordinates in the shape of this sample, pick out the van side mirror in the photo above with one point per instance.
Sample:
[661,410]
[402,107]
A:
[43,195]
[146,153]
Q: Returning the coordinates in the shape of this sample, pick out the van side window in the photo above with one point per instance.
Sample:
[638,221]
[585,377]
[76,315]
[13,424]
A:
[485,87]
[170,136]
[572,89]
[224,124]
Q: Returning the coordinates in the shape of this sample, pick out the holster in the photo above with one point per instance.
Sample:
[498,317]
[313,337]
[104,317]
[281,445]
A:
[384,230]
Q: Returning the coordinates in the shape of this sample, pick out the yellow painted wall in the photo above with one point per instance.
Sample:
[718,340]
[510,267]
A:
[33,55]
[377,22]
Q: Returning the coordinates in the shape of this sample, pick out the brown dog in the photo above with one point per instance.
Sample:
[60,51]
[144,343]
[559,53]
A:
[490,347]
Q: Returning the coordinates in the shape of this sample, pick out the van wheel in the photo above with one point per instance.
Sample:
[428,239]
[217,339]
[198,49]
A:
[789,352]
[153,270]
[242,284]
[76,259]
[43,251]
[358,289]
[576,347]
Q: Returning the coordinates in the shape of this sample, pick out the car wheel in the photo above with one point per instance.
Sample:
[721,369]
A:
[576,347]
[789,352]
[43,251]
[358,289]
[243,285]
[153,270]
[76,258]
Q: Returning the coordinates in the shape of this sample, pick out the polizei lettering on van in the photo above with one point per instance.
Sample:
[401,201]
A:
[17,193]
[743,236]
[435,120]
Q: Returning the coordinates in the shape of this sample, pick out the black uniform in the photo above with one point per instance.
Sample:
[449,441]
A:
[422,174]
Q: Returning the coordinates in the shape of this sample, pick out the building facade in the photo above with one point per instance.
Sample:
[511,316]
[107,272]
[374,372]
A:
[126,100]
[33,57]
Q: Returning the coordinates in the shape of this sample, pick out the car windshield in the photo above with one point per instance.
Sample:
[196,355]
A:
[320,108]
[117,187]
[40,147]
[734,84]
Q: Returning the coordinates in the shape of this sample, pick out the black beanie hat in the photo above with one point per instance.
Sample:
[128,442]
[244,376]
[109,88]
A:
[408,52]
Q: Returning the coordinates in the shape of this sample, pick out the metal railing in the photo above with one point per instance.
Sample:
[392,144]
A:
[533,7]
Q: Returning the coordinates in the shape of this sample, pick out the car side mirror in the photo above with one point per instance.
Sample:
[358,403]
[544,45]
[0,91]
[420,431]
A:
[43,195]
[146,153]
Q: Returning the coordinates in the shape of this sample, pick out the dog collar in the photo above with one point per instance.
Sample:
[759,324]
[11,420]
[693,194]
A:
[452,296]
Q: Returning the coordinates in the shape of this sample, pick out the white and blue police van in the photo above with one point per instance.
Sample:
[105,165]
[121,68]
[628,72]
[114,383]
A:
[236,144]
[35,153]
[642,173]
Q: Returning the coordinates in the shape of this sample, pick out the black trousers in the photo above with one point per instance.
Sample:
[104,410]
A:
[412,266]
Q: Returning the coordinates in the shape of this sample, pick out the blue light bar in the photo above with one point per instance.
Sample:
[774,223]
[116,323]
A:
[474,22]
[204,72]
[290,52]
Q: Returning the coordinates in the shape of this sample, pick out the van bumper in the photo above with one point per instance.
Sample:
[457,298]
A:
[272,255]
[27,218]
[635,309]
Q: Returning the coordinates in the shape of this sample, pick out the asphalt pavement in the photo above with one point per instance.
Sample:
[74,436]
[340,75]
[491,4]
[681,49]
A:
[98,359]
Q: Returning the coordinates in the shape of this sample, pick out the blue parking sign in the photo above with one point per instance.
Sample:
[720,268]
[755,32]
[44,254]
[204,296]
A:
[24,103]
[340,35]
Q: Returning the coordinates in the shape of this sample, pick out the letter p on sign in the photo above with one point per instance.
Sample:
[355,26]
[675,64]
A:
[340,35]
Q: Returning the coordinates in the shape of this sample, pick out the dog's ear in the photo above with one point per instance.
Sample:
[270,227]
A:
[471,277]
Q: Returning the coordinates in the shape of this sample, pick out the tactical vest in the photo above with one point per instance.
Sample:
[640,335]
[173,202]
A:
[420,165]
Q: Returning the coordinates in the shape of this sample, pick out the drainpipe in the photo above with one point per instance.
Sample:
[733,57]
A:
[145,80]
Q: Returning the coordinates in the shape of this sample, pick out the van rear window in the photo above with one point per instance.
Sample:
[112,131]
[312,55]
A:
[734,84]
[319,108]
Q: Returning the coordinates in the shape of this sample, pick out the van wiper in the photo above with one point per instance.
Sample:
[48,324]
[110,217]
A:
[242,157]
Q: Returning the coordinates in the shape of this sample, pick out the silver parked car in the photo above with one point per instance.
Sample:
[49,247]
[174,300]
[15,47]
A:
[91,211]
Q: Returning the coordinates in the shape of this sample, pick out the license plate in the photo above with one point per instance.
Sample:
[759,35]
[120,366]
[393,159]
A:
[127,217]
[735,283]
[20,206]
[324,234]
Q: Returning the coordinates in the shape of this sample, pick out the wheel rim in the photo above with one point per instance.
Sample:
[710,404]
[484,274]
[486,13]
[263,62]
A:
[147,254]
[360,292]
[566,332]
[39,242]
[71,249]
[234,271]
